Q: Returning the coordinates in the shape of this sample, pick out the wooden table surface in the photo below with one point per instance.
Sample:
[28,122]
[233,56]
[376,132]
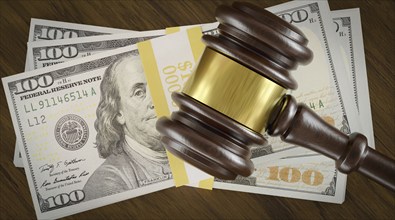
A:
[364,198]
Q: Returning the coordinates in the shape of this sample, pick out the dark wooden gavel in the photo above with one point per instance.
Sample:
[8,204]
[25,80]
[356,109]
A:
[238,90]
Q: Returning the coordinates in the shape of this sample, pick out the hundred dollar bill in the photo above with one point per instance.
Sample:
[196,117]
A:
[41,29]
[324,86]
[293,178]
[87,132]
[46,53]
[349,34]
[312,176]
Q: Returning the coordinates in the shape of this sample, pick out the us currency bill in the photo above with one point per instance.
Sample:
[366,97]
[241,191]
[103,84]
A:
[46,53]
[77,160]
[302,176]
[49,52]
[293,178]
[349,33]
[323,86]
[41,29]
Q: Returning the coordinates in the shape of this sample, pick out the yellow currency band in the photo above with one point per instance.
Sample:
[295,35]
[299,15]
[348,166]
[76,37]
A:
[154,82]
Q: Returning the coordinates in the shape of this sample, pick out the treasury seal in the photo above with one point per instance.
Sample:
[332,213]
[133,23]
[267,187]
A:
[71,132]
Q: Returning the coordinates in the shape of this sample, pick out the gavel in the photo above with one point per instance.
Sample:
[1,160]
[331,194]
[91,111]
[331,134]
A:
[238,90]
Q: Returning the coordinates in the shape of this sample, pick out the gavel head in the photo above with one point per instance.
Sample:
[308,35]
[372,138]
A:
[226,104]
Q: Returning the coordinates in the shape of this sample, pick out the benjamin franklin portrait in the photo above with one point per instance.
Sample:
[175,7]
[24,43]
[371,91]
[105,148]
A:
[126,135]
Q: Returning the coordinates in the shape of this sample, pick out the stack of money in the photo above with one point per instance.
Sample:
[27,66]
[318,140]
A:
[84,111]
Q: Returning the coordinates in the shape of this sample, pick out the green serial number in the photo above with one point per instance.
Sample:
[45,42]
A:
[60,99]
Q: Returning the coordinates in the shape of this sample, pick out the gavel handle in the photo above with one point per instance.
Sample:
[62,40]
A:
[298,124]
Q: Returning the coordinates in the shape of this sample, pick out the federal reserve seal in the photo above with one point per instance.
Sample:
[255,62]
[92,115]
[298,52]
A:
[71,132]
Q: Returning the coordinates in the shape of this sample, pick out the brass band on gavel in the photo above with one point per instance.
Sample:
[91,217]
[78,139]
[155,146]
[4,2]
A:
[234,90]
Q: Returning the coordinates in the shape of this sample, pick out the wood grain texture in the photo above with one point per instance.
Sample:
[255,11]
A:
[364,198]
